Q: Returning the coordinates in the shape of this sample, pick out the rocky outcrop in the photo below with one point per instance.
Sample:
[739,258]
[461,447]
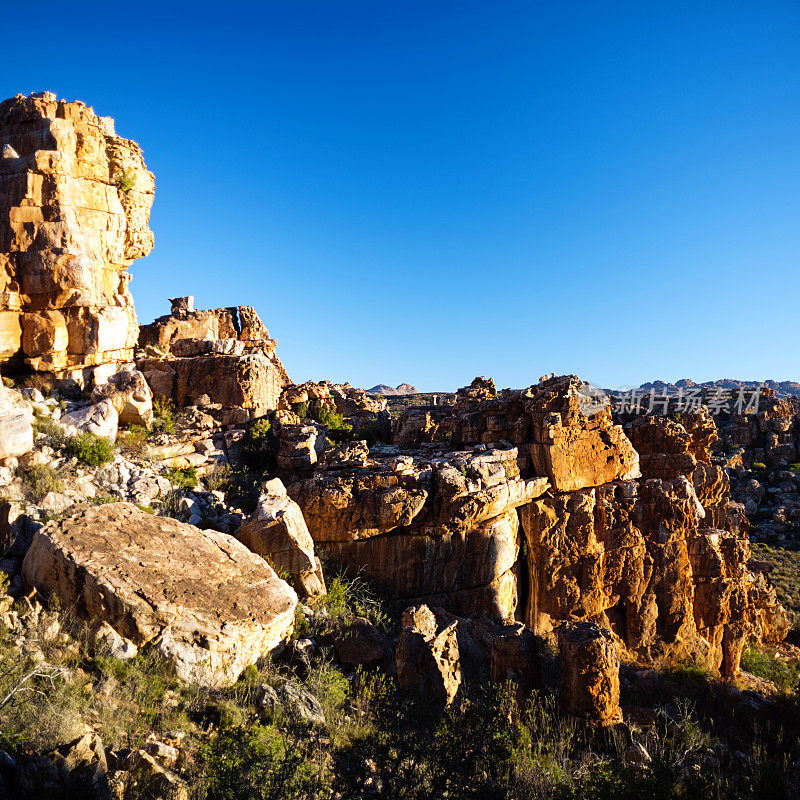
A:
[75,202]
[224,353]
[435,526]
[427,658]
[130,395]
[278,532]
[206,604]
[589,658]
[648,543]
[661,562]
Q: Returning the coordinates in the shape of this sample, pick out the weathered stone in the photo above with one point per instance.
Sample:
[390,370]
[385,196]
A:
[432,529]
[278,532]
[209,606]
[16,428]
[428,663]
[100,419]
[589,659]
[358,643]
[74,209]
[130,395]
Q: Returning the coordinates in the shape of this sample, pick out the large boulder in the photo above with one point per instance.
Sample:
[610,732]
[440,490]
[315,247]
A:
[427,659]
[130,395]
[207,604]
[278,532]
[101,419]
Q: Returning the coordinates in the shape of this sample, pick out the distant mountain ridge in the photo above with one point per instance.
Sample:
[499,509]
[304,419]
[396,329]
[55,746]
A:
[781,388]
[388,391]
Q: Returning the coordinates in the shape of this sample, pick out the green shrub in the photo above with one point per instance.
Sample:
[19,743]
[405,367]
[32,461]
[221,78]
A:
[686,670]
[795,467]
[103,498]
[443,435]
[125,180]
[133,441]
[340,430]
[163,415]
[301,409]
[257,762]
[38,480]
[182,477]
[90,449]
[219,477]
[759,465]
[54,433]
[259,446]
[765,664]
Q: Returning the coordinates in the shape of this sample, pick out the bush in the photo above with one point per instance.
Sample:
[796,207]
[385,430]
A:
[53,432]
[766,664]
[133,441]
[759,465]
[340,430]
[256,762]
[301,409]
[125,181]
[259,446]
[38,480]
[163,415]
[182,477]
[90,449]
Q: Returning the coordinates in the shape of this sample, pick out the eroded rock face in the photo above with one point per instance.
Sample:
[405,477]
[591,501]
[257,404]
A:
[130,395]
[589,657]
[206,603]
[427,659]
[278,532]
[661,561]
[548,423]
[224,353]
[16,428]
[437,527]
[75,203]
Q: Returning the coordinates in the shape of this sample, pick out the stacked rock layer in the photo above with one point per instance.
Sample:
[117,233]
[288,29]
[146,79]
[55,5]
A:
[75,201]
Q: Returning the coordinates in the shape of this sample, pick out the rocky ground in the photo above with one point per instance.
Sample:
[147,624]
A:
[219,584]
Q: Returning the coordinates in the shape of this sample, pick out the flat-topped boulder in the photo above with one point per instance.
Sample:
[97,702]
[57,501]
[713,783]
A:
[204,601]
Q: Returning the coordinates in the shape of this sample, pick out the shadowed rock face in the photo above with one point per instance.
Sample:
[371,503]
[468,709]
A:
[205,602]
[75,202]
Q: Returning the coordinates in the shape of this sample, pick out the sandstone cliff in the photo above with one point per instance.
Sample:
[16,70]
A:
[75,202]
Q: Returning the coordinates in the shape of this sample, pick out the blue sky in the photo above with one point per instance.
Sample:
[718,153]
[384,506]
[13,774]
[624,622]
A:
[428,191]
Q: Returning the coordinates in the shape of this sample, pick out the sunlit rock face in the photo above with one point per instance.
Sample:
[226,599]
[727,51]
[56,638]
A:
[75,203]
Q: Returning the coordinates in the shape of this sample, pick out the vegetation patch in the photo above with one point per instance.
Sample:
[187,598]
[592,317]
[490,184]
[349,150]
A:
[765,663]
[38,480]
[90,449]
[182,477]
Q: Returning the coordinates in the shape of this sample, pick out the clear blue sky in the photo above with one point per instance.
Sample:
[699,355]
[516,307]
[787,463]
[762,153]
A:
[426,191]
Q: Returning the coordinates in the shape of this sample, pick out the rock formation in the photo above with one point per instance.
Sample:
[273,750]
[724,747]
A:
[646,543]
[75,202]
[278,532]
[437,527]
[207,604]
[224,353]
[589,658]
[427,658]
